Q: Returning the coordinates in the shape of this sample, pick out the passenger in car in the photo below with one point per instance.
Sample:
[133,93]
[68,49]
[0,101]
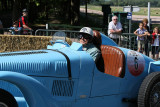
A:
[86,39]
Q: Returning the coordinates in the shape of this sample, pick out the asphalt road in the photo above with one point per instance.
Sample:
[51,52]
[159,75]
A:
[154,19]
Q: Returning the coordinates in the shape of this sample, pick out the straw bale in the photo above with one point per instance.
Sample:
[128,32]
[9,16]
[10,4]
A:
[23,42]
[10,43]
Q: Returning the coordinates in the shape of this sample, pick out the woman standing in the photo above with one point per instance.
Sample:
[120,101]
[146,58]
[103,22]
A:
[145,26]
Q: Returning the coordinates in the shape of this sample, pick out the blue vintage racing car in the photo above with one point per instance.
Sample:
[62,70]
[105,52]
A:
[65,76]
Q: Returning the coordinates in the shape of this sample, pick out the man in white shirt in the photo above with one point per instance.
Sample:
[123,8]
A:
[115,29]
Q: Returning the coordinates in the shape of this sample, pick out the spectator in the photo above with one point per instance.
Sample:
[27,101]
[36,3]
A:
[155,45]
[148,37]
[115,29]
[23,22]
[15,29]
[86,36]
[1,25]
[140,32]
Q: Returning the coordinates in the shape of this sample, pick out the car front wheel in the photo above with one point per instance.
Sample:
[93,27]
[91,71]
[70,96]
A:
[7,100]
[149,92]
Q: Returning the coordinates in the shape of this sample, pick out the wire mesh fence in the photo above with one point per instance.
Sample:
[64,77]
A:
[72,35]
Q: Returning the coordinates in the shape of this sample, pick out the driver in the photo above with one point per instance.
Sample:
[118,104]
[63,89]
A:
[86,36]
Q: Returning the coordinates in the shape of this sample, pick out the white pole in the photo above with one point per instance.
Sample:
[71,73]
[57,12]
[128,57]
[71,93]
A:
[130,21]
[46,26]
[46,29]
[149,19]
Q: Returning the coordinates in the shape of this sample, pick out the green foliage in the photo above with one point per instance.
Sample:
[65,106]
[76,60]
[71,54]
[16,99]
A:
[67,9]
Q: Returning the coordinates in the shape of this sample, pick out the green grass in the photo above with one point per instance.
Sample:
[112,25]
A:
[143,10]
[92,7]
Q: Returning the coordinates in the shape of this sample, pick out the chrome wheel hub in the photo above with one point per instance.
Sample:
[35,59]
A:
[155,96]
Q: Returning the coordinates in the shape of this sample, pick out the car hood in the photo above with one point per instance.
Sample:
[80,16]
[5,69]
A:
[40,63]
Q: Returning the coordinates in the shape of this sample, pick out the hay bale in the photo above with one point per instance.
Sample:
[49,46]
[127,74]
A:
[23,42]
[9,43]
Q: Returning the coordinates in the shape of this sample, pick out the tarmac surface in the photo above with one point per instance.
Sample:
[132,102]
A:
[154,19]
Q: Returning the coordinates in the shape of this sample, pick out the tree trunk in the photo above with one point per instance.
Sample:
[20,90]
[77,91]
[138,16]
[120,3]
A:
[68,10]
[47,9]
[12,3]
[32,12]
[75,11]
[4,5]
[16,10]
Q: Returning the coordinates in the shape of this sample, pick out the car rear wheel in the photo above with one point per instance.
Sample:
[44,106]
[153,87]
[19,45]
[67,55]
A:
[149,92]
[3,104]
[7,100]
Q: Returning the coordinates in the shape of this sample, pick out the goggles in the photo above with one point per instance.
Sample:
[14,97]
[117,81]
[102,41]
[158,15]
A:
[84,36]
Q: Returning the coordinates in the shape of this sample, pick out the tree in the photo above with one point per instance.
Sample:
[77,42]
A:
[75,11]
[16,10]
[68,9]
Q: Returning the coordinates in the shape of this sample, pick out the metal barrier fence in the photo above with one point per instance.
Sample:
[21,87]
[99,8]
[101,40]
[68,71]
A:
[73,35]
[126,40]
[8,31]
[69,27]
[129,40]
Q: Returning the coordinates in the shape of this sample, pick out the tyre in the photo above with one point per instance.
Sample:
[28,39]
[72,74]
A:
[149,92]
[7,100]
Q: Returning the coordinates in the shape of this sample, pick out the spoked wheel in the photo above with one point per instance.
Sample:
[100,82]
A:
[7,100]
[155,96]
[149,92]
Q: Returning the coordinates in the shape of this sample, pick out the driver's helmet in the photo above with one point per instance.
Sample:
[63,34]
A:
[87,30]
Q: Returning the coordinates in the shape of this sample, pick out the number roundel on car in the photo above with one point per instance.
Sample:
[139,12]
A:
[135,63]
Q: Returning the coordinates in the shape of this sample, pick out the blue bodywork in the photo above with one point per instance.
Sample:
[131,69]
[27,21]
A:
[65,76]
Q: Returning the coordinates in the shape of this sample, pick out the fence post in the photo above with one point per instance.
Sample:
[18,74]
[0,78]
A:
[47,29]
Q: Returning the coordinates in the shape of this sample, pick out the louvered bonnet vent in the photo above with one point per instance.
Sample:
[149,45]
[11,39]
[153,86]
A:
[63,88]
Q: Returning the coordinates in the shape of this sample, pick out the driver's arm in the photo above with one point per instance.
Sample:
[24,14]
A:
[95,53]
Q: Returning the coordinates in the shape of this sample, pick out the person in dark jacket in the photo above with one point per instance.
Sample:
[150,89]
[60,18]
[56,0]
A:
[23,22]
[148,38]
